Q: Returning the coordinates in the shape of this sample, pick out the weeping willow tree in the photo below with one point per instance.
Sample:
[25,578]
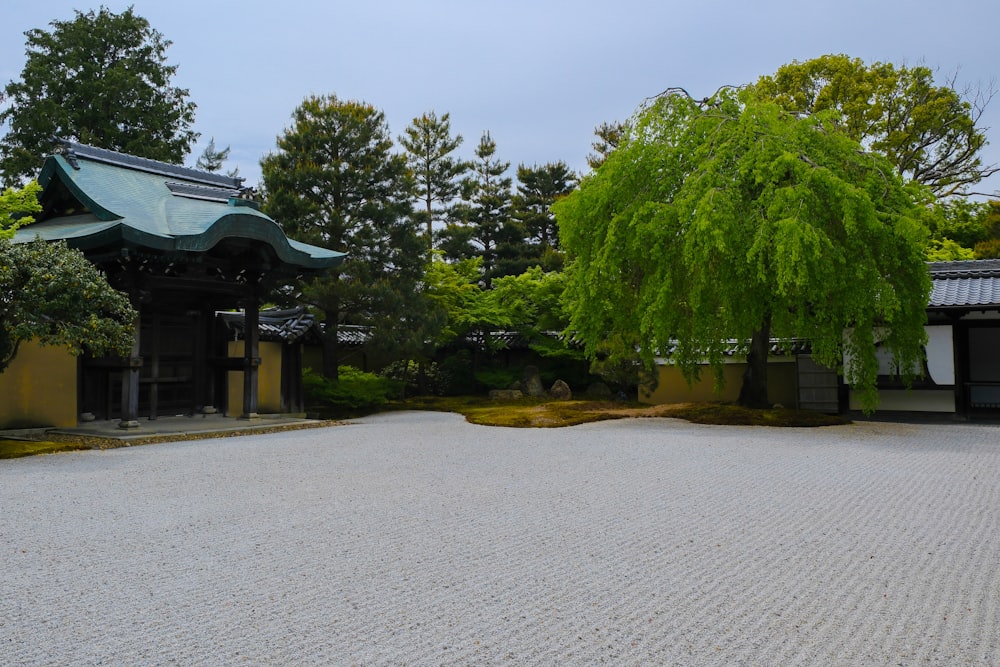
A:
[731,219]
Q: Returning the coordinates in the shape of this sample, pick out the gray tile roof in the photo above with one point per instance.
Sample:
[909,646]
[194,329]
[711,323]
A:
[965,284]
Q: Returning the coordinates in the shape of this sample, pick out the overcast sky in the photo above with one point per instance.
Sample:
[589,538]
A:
[539,75]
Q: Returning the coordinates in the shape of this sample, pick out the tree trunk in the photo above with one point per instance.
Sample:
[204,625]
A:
[331,346]
[753,392]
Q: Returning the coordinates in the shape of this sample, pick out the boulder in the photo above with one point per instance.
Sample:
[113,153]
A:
[560,391]
[532,382]
[505,394]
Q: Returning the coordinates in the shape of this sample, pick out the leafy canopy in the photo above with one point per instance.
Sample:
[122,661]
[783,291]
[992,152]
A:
[102,79]
[52,294]
[928,132]
[732,219]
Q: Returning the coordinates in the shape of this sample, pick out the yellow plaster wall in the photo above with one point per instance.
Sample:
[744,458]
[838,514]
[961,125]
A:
[268,379]
[39,388]
[672,388]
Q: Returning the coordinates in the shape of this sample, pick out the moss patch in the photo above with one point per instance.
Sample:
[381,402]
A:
[14,449]
[540,413]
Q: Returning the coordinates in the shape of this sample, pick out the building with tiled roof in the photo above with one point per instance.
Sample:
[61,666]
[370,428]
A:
[183,244]
[960,375]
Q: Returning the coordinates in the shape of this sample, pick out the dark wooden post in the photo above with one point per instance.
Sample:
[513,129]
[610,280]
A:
[154,358]
[130,383]
[251,358]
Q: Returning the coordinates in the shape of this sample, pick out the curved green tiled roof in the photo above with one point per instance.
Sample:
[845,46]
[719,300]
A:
[162,207]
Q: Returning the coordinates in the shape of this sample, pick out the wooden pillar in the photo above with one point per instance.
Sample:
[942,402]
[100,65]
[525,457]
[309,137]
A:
[251,358]
[203,372]
[130,383]
[154,354]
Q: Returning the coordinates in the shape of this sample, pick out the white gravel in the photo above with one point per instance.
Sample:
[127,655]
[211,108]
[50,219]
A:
[418,539]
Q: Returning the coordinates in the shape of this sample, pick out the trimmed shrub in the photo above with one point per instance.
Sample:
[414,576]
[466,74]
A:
[354,390]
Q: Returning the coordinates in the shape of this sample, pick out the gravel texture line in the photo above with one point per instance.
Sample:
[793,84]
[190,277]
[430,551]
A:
[419,539]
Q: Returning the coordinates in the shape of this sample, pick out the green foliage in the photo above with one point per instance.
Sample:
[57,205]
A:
[429,146]
[482,221]
[946,250]
[537,189]
[989,249]
[457,371]
[454,292]
[531,303]
[418,378]
[101,79]
[609,135]
[212,159]
[352,390]
[928,132]
[52,294]
[498,378]
[335,182]
[958,220]
[16,207]
[991,219]
[734,219]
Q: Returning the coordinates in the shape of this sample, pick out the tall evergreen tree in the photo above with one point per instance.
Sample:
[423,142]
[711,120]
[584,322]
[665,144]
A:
[429,147]
[336,182]
[101,79]
[483,220]
[539,187]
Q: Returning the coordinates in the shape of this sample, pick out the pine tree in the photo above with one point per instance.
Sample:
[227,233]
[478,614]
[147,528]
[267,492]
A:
[211,159]
[482,220]
[429,146]
[538,188]
[336,182]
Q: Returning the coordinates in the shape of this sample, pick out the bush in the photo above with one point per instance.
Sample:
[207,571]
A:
[499,378]
[456,373]
[416,378]
[354,390]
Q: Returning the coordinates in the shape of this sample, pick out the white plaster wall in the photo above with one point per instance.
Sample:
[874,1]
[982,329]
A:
[941,354]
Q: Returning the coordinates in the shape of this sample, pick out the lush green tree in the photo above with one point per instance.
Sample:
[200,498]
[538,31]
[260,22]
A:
[927,131]
[335,182]
[52,294]
[429,146]
[609,135]
[538,187]
[532,304]
[454,290]
[732,219]
[16,207]
[958,221]
[946,250]
[482,222]
[101,79]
